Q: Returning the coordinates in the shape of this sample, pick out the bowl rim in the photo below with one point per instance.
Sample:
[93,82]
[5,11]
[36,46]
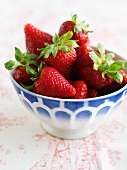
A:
[67,100]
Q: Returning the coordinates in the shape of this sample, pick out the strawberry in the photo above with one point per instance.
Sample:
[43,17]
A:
[114,86]
[51,83]
[80,30]
[61,55]
[81,89]
[24,66]
[92,93]
[94,78]
[83,57]
[83,60]
[104,70]
[21,76]
[35,38]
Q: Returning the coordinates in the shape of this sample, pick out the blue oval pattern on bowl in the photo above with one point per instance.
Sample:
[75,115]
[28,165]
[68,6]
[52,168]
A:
[53,110]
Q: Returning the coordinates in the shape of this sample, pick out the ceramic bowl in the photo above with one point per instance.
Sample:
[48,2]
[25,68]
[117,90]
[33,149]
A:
[70,118]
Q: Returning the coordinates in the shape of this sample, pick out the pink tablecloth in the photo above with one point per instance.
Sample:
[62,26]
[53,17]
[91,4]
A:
[24,145]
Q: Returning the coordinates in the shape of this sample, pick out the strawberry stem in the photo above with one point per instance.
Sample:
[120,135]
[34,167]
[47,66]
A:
[74,18]
[25,60]
[106,64]
[81,26]
[59,43]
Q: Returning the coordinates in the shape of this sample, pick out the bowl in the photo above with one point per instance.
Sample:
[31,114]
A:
[70,118]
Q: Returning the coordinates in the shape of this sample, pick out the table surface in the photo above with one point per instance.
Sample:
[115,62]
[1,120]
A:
[24,145]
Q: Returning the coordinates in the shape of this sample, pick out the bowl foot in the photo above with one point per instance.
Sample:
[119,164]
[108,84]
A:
[71,133]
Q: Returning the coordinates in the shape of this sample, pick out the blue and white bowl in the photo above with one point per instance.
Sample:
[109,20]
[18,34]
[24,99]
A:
[70,118]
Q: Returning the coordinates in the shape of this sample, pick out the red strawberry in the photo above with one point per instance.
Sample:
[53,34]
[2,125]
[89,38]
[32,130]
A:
[63,62]
[80,30]
[83,58]
[24,66]
[114,86]
[35,38]
[81,89]
[61,55]
[94,78]
[21,76]
[92,93]
[104,70]
[52,84]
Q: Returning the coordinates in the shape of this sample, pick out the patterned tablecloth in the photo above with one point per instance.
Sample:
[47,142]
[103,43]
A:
[24,145]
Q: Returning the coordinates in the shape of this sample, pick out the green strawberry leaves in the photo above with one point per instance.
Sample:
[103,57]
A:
[113,70]
[74,18]
[18,54]
[27,87]
[21,60]
[100,58]
[96,59]
[117,76]
[101,49]
[121,63]
[24,59]
[31,71]
[106,64]
[59,43]
[81,26]
[12,64]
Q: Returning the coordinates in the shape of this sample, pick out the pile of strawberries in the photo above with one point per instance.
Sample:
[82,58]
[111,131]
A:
[65,65]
